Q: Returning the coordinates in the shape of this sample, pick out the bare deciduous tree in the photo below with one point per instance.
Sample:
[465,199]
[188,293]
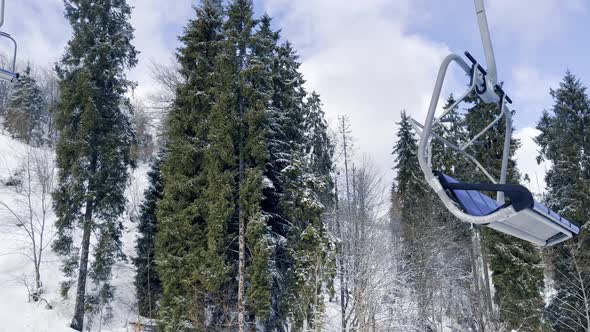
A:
[31,210]
[168,79]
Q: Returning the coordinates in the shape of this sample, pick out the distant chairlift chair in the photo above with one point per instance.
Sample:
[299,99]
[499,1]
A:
[521,216]
[8,74]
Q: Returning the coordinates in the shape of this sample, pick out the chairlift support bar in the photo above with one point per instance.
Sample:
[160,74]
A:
[2,12]
[486,40]
[492,76]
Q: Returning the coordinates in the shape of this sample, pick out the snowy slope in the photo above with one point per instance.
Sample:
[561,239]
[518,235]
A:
[16,313]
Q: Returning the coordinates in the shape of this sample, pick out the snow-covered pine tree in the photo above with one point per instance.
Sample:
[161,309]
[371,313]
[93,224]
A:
[563,141]
[226,228]
[93,148]
[24,115]
[147,282]
[308,196]
[319,148]
[262,64]
[249,109]
[284,127]
[191,234]
[295,180]
[408,180]
[414,202]
[319,157]
[517,274]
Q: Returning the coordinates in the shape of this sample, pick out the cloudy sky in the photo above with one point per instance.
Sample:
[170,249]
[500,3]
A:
[369,59]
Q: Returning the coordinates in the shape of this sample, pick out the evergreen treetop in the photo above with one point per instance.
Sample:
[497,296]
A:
[25,113]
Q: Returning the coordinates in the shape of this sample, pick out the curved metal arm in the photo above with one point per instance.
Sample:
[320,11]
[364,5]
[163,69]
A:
[8,74]
[13,64]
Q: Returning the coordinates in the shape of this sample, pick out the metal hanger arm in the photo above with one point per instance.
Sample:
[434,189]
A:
[2,12]
[486,41]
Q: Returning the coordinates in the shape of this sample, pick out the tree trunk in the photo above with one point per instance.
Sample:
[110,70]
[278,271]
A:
[78,320]
[241,268]
[343,282]
[79,309]
[339,259]
[38,285]
[474,269]
[241,213]
[486,274]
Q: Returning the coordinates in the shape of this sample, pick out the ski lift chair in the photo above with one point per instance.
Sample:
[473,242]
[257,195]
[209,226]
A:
[8,74]
[520,216]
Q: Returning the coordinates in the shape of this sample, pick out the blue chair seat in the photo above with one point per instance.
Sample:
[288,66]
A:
[533,222]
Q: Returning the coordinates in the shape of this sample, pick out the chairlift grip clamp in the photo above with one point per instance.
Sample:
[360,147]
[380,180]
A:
[498,89]
[484,73]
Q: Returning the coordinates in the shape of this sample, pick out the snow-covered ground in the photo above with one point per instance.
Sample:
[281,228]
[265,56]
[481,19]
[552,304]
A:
[16,312]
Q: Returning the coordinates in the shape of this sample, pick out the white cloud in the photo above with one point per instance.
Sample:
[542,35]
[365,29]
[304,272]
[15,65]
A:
[528,23]
[526,157]
[532,86]
[157,25]
[530,92]
[363,63]
[531,95]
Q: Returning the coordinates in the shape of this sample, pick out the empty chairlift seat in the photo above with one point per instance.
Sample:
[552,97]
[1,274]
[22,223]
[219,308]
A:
[532,222]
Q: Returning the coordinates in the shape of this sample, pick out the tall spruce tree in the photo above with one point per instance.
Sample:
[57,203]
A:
[249,108]
[308,196]
[186,245]
[147,282]
[266,50]
[318,147]
[408,178]
[93,147]
[234,233]
[296,183]
[409,185]
[23,117]
[563,141]
[414,202]
[517,273]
